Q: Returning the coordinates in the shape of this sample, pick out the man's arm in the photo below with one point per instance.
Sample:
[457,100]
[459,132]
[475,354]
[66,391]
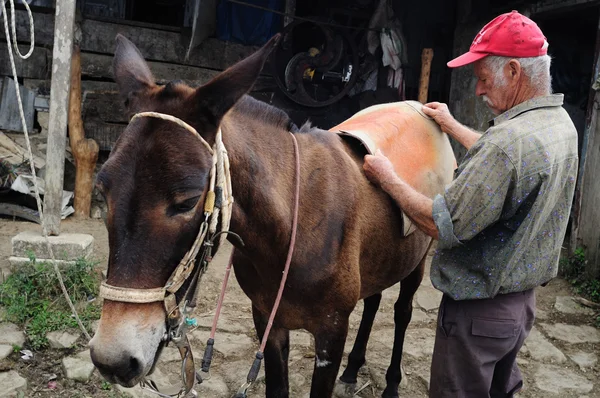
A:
[418,207]
[449,125]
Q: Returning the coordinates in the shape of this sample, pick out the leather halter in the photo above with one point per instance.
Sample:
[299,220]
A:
[218,202]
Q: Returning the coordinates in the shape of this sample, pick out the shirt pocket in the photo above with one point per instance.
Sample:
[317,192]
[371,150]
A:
[494,328]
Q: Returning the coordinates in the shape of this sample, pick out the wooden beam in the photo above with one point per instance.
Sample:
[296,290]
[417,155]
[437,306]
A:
[37,66]
[155,45]
[59,105]
[100,66]
[586,213]
[105,134]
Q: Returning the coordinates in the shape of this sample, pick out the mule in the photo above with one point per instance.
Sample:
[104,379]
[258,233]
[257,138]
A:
[350,242]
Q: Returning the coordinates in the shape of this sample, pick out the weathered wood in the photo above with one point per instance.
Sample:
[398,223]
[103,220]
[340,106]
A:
[158,45]
[100,66]
[87,86]
[426,57]
[107,107]
[105,134]
[15,154]
[10,118]
[57,125]
[586,213]
[588,233]
[85,151]
[37,66]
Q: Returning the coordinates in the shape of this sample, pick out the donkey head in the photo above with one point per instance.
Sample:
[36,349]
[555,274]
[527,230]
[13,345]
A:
[154,184]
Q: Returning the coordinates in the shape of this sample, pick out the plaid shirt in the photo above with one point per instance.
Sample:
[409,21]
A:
[503,219]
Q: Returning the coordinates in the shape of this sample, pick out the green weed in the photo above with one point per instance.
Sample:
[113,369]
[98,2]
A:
[33,298]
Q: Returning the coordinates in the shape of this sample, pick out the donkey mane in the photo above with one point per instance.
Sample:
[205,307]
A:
[273,116]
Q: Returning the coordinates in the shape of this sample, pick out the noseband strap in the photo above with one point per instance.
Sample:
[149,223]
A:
[126,295]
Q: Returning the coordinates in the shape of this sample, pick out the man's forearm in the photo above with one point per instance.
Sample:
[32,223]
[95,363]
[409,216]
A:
[464,135]
[418,207]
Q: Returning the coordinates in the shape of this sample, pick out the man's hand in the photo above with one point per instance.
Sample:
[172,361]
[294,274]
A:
[441,114]
[379,169]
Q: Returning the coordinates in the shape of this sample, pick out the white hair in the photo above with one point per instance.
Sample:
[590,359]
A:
[537,69]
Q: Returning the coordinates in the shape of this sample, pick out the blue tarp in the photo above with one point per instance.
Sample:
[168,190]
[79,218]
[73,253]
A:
[248,25]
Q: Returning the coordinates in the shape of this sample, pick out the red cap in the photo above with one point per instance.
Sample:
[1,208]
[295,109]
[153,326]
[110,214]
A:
[508,35]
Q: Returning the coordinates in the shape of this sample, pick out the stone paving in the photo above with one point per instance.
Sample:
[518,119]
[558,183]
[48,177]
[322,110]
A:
[559,358]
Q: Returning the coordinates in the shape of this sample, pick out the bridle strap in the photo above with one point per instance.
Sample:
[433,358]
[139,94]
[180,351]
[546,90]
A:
[127,295]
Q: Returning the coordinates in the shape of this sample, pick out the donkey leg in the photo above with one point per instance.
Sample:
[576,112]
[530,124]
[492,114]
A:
[402,316]
[276,356]
[329,349]
[356,359]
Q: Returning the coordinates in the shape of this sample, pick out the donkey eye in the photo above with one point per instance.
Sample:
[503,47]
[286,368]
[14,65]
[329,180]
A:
[185,206]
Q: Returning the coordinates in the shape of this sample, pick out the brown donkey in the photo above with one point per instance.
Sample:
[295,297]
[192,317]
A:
[349,246]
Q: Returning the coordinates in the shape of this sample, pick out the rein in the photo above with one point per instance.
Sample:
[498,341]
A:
[217,207]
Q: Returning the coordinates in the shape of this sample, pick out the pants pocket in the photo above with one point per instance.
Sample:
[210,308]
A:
[446,322]
[494,328]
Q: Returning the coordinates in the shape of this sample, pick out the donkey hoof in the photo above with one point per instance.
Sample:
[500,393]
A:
[344,390]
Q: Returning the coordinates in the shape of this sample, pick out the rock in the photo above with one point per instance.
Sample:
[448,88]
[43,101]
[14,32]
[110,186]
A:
[213,387]
[301,338]
[227,323]
[11,335]
[555,379]
[540,349]
[296,381]
[419,316]
[428,298]
[79,367]
[572,334]
[228,344]
[11,383]
[171,354]
[425,376]
[418,342]
[541,314]
[567,305]
[236,372]
[584,359]
[61,339]
[5,351]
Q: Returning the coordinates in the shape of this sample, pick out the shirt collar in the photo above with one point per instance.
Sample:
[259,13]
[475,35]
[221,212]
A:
[534,103]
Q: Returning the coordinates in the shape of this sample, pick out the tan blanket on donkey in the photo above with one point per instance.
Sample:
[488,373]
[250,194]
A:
[420,152]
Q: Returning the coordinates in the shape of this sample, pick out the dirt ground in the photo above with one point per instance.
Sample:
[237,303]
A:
[239,343]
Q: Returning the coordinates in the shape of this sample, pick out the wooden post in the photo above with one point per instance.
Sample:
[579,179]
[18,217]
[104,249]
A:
[85,151]
[426,57]
[290,9]
[57,124]
[586,213]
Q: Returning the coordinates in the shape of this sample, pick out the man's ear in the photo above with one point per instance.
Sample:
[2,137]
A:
[216,97]
[131,72]
[514,70]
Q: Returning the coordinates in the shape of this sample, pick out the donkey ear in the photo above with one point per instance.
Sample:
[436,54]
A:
[216,97]
[131,71]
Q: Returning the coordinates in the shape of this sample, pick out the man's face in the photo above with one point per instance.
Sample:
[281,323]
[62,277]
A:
[493,89]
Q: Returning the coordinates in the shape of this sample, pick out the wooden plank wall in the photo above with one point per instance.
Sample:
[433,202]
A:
[103,116]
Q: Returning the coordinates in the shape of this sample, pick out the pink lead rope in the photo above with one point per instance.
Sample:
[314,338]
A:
[253,373]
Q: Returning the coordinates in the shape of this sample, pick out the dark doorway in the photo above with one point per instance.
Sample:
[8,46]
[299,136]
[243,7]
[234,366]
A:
[572,39]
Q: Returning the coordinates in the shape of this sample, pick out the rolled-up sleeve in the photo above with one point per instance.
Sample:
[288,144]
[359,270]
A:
[443,222]
[476,197]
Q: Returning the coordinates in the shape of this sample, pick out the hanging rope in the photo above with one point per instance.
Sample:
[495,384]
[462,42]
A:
[26,133]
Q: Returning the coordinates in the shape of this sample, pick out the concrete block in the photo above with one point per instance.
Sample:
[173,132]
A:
[65,246]
[15,262]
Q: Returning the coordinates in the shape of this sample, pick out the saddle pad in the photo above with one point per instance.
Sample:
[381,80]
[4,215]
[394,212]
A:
[414,143]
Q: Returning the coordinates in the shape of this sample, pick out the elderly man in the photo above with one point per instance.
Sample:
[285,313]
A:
[501,223]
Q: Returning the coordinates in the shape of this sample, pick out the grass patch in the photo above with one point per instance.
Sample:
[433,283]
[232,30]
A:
[34,300]
[573,270]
